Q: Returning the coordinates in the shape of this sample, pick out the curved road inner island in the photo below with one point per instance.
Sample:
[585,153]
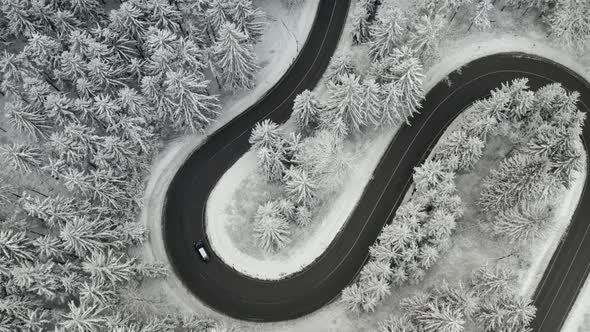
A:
[243,297]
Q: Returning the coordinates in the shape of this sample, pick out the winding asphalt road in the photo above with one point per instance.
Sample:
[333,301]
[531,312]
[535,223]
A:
[243,297]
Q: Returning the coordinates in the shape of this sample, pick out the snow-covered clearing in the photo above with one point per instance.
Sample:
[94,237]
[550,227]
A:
[510,33]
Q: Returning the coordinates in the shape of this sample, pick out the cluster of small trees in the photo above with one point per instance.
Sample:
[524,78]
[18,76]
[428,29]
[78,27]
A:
[412,242]
[89,94]
[488,301]
[546,127]
[309,164]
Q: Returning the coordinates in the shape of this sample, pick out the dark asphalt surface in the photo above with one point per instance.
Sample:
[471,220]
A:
[234,294]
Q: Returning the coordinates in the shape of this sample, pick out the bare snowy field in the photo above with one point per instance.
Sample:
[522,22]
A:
[510,32]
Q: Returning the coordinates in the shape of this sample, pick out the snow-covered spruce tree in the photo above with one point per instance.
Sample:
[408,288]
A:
[340,66]
[196,109]
[306,110]
[481,19]
[323,158]
[265,134]
[345,103]
[390,101]
[23,158]
[27,121]
[85,237]
[303,215]
[247,18]
[443,7]
[523,223]
[426,34]
[520,179]
[271,163]
[467,150]
[360,32]
[493,280]
[410,87]
[56,211]
[353,298]
[397,324]
[372,103]
[429,174]
[569,22]
[234,58]
[301,187]
[388,32]
[506,312]
[270,228]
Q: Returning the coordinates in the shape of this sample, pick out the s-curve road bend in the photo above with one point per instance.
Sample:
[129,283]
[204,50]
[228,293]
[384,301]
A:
[234,294]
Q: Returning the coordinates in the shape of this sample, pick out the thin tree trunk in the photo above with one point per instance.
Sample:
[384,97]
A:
[503,8]
[36,233]
[4,130]
[525,11]
[40,193]
[16,195]
[470,25]
[454,14]
[50,82]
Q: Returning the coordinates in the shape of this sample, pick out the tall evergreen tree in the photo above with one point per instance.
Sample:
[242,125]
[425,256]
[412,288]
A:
[234,58]
[388,32]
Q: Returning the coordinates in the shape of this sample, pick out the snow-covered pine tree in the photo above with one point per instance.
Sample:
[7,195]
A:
[388,32]
[267,134]
[303,216]
[481,19]
[428,175]
[83,317]
[353,298]
[409,84]
[21,22]
[520,179]
[84,237]
[467,149]
[196,109]
[23,158]
[109,267]
[234,58]
[340,65]
[397,324]
[523,223]
[569,22]
[129,19]
[426,34]
[247,18]
[306,110]
[390,101]
[360,32]
[271,163]
[345,102]
[493,280]
[27,121]
[372,103]
[272,232]
[301,187]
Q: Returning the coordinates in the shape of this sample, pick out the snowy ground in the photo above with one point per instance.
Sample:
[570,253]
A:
[472,248]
